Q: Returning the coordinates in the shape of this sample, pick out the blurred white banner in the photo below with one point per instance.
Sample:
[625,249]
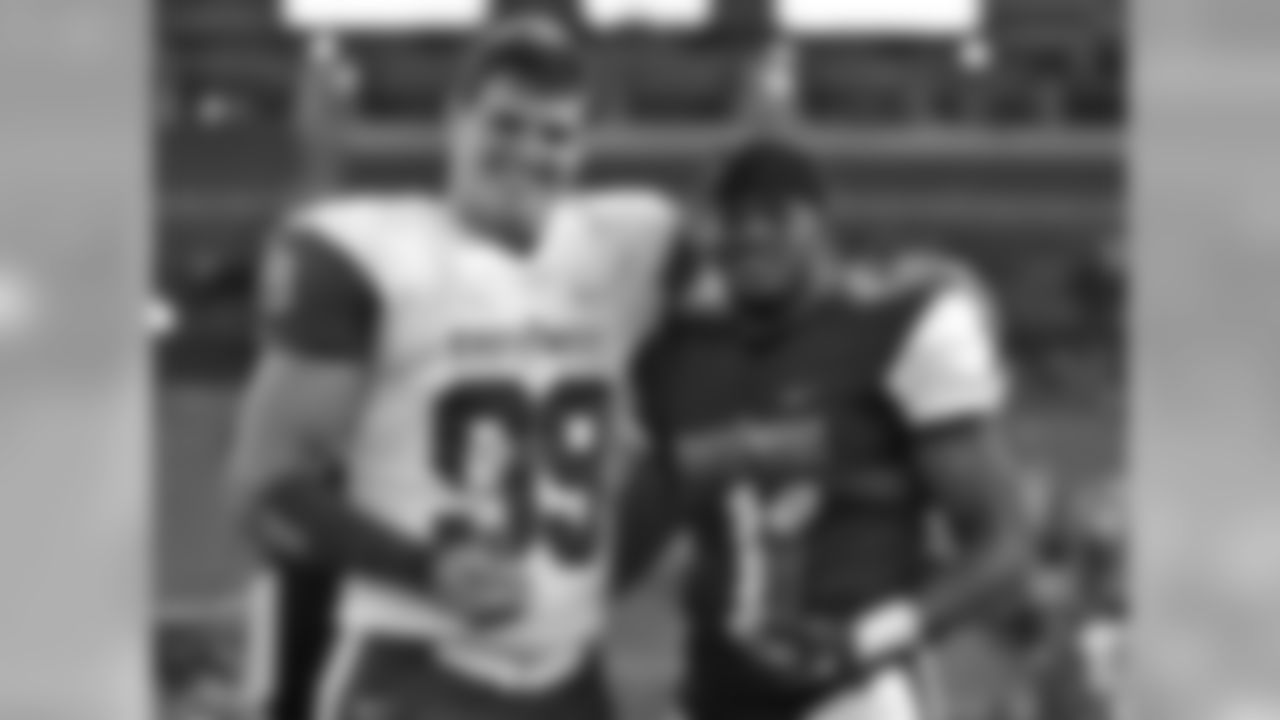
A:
[865,17]
[933,17]
[653,13]
[388,15]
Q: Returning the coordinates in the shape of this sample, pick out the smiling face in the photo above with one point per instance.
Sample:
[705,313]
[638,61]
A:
[515,148]
[517,126]
[770,252]
[772,230]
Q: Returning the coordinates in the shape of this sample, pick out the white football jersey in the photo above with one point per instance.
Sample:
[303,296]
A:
[496,405]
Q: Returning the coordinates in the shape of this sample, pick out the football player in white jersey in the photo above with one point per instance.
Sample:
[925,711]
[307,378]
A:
[460,361]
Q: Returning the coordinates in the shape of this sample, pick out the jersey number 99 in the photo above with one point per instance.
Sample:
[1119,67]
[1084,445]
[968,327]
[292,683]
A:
[535,462]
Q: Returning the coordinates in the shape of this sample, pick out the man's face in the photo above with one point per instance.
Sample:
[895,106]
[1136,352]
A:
[769,252]
[515,148]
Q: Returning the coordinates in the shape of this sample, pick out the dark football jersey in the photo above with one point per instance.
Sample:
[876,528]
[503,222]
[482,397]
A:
[791,440]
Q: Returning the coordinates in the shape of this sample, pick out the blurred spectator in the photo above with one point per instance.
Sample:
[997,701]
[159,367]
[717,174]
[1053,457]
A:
[771,95]
[1100,291]
[326,89]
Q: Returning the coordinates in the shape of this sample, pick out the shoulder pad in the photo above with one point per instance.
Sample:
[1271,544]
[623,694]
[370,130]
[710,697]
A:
[640,231]
[636,210]
[352,217]
[640,223]
[386,235]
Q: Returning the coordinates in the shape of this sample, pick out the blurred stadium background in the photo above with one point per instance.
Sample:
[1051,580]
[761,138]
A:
[990,129]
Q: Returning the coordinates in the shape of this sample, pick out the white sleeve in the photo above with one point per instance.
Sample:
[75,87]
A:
[646,225]
[950,365]
[393,238]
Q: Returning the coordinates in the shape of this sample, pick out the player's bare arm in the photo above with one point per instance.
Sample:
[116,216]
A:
[651,513]
[308,386]
[978,485]
[949,384]
[320,331]
[648,523]
[655,501]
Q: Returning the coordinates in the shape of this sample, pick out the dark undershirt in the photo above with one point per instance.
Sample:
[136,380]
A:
[317,302]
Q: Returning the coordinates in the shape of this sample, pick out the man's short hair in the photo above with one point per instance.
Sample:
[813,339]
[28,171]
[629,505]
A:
[766,172]
[535,51]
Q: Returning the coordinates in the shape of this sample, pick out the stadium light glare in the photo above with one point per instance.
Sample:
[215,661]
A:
[162,319]
[384,15]
[946,18]
[608,14]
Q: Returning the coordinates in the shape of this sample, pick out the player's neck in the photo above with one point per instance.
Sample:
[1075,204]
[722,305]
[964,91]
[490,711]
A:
[513,237]
[782,304]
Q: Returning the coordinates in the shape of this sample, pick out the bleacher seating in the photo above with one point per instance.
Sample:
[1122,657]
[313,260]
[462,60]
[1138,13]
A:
[1005,144]
[1050,62]
[665,80]
[405,77]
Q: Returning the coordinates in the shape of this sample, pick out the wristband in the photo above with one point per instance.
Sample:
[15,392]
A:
[889,629]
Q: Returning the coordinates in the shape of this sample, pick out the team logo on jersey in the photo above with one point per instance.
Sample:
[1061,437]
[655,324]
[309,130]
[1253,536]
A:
[797,441]
[491,343]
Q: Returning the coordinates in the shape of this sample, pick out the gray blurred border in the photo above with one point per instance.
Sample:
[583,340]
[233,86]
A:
[74,220]
[74,467]
[1207,420]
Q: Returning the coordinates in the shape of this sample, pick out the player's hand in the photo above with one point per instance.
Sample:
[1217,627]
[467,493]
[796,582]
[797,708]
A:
[885,635]
[801,653]
[481,581]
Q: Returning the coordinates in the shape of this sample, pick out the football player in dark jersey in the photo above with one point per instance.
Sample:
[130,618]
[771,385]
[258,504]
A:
[810,424]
